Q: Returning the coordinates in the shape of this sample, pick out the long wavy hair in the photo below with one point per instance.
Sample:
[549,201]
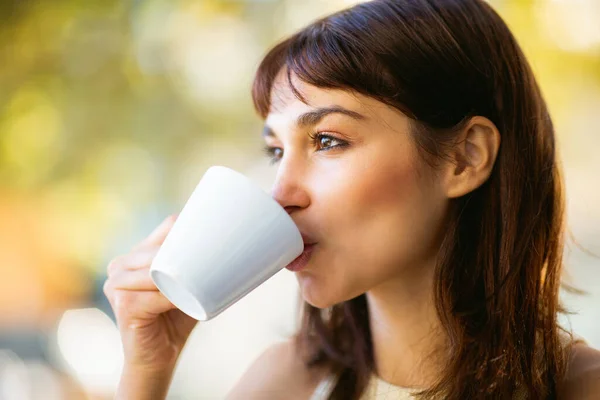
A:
[497,278]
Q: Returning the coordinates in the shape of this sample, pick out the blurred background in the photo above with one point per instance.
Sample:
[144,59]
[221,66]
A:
[111,111]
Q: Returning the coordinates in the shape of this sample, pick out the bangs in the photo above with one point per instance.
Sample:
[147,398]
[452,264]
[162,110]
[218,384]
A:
[326,54]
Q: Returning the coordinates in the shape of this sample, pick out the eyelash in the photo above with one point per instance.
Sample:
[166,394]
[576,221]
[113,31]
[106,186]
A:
[315,138]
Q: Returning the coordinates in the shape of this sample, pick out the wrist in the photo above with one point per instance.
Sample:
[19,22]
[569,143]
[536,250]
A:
[145,382]
[149,370]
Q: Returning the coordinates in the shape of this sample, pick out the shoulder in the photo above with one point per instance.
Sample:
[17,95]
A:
[278,373]
[582,378]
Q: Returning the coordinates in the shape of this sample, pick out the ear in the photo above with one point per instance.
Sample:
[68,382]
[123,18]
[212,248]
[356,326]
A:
[473,157]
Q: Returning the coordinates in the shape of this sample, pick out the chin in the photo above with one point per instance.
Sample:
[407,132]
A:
[318,303]
[320,295]
[314,294]
[321,286]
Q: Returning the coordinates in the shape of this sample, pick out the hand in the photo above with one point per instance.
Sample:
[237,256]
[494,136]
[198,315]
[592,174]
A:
[152,330]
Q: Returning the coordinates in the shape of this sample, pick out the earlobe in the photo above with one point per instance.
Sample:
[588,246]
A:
[474,156]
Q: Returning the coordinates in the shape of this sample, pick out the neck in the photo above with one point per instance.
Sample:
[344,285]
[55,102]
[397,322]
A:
[405,331]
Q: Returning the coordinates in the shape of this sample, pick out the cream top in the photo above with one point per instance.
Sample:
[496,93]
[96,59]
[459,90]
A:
[380,390]
[377,389]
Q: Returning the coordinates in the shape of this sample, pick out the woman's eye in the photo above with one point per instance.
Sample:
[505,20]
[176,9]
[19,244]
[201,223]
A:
[321,141]
[274,153]
[325,142]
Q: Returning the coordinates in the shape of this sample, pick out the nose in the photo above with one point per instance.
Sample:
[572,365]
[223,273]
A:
[289,188]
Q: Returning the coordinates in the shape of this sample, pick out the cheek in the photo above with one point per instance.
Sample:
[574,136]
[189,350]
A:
[384,206]
[377,217]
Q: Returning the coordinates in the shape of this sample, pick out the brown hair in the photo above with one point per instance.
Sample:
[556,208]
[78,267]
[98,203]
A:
[497,284]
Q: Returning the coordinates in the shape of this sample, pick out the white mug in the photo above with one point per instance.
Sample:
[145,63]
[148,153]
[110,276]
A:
[230,237]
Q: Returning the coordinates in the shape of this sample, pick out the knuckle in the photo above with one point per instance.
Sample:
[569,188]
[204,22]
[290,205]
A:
[107,288]
[114,265]
[124,300]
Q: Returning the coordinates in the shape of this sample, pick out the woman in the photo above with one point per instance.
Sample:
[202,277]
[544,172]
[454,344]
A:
[415,151]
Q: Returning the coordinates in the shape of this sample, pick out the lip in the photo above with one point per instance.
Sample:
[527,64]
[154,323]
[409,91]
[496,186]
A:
[302,260]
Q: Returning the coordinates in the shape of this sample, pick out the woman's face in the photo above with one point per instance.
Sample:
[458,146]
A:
[359,190]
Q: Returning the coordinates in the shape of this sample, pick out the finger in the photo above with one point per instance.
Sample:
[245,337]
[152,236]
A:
[137,279]
[141,258]
[158,235]
[130,305]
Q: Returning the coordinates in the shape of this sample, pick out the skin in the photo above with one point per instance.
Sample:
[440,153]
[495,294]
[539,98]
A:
[377,214]
[376,210]
[153,331]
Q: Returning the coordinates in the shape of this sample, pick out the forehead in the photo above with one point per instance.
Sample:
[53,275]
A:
[285,104]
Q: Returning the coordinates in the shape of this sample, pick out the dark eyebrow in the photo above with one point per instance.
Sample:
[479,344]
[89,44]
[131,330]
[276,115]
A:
[311,118]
